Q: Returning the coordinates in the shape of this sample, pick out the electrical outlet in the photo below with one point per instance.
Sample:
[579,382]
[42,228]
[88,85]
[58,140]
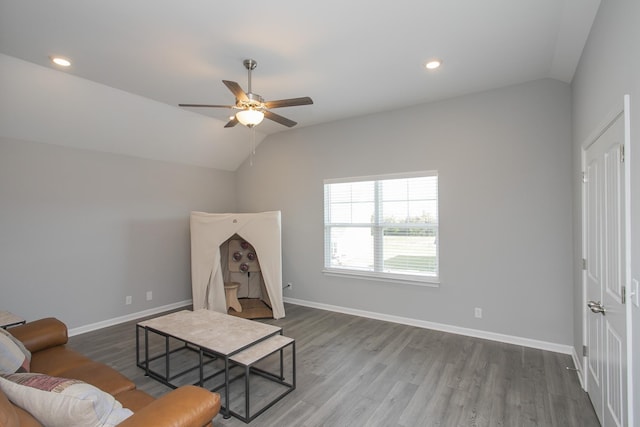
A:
[149,295]
[477,312]
[127,299]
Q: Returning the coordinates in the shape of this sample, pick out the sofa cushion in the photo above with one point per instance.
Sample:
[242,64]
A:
[14,357]
[100,375]
[187,405]
[62,402]
[56,360]
[134,399]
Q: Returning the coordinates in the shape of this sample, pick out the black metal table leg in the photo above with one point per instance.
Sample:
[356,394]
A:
[227,413]
[146,352]
[167,358]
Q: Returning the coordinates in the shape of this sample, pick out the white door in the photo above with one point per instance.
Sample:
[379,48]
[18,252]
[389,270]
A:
[605,271]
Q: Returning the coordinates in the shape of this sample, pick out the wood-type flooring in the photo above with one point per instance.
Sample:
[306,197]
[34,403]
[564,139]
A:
[354,371]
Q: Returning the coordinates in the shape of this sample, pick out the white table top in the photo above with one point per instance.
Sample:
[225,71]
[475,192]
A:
[264,348]
[218,332]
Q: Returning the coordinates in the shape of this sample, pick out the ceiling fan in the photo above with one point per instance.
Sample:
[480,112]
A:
[253,108]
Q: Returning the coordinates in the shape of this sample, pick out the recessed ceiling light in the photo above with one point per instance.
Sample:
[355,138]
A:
[433,64]
[59,60]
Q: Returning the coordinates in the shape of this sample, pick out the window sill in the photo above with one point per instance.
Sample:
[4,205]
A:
[429,282]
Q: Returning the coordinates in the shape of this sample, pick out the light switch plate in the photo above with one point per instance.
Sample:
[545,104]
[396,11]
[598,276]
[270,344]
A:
[635,288]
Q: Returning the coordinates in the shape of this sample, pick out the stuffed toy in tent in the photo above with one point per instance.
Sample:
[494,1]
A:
[210,231]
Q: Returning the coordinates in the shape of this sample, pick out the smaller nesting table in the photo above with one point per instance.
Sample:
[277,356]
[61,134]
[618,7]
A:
[252,355]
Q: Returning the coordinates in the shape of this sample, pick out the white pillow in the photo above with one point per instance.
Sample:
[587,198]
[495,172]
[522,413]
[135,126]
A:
[14,357]
[61,402]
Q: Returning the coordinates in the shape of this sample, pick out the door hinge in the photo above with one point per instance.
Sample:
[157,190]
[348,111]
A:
[584,263]
[622,153]
[624,294]
[584,177]
[585,351]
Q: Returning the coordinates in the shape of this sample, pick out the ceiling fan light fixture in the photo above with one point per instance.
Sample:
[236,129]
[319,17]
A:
[253,108]
[250,117]
[61,61]
[432,64]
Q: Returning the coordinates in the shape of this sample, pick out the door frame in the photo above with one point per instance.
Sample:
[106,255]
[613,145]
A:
[624,111]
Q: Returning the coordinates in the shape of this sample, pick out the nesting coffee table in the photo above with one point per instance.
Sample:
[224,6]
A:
[230,342]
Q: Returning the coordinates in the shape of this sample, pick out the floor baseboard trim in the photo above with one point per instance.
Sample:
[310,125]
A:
[578,364]
[492,336]
[128,317]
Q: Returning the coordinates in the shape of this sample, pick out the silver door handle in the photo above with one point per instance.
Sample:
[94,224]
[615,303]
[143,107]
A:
[596,307]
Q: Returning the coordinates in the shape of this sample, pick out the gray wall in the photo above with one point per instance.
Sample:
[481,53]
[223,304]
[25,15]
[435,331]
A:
[80,230]
[609,69]
[504,163]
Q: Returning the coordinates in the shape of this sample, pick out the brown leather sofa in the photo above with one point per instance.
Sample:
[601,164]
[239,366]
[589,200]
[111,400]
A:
[46,339]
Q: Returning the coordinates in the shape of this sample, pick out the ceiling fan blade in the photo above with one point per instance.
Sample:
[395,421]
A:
[236,90]
[206,105]
[231,123]
[279,119]
[288,102]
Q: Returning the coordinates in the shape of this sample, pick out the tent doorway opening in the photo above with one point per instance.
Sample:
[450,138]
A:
[209,231]
[245,289]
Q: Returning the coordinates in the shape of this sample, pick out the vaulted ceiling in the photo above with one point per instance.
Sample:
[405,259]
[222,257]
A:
[352,57]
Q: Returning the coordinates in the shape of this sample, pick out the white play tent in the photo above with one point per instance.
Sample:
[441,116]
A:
[209,231]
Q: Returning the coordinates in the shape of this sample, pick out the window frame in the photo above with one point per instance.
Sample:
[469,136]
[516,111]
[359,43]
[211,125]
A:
[378,275]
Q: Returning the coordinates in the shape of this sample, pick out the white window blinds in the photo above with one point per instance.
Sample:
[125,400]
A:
[383,226]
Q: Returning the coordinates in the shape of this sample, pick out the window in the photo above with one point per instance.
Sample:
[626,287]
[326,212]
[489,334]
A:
[383,227]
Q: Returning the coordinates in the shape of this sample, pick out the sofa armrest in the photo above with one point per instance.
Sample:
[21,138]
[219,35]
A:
[186,406]
[41,334]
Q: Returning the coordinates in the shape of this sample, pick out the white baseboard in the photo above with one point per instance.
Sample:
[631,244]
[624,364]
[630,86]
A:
[509,339]
[126,318]
[577,361]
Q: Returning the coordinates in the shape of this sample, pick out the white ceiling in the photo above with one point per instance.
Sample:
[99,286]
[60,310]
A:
[352,57]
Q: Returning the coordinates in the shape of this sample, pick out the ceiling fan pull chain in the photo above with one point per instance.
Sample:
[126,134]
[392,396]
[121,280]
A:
[253,140]
[253,146]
